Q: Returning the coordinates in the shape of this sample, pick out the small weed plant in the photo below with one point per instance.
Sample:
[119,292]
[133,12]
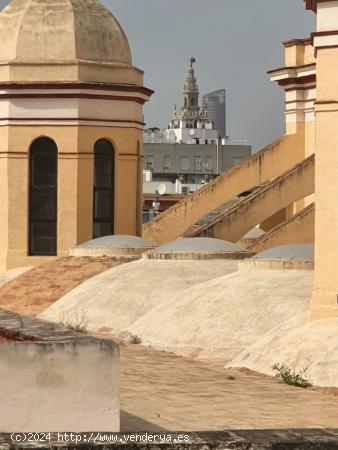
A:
[135,340]
[290,376]
[78,324]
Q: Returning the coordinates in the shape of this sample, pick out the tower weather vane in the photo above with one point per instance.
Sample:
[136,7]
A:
[192,61]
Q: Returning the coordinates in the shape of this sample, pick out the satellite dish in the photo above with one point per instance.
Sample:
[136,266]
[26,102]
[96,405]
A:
[161,189]
[192,132]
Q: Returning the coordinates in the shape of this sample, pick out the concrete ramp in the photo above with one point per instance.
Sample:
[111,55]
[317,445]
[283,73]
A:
[258,169]
[298,229]
[293,185]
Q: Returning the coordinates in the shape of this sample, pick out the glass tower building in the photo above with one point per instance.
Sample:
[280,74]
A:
[215,104]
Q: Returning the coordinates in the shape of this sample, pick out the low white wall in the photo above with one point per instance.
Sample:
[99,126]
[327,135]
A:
[59,386]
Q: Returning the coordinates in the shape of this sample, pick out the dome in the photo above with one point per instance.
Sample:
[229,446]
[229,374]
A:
[286,257]
[224,315]
[117,241]
[115,245]
[198,245]
[199,248]
[288,252]
[62,31]
[114,299]
[301,344]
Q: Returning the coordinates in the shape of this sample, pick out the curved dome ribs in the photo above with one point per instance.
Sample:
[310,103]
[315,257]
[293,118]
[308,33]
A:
[111,44]
[61,31]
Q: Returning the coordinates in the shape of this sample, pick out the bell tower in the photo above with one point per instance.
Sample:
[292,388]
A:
[190,92]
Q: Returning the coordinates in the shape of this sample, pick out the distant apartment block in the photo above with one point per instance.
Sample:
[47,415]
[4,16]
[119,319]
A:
[215,105]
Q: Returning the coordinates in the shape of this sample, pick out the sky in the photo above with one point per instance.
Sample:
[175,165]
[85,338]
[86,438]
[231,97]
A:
[234,42]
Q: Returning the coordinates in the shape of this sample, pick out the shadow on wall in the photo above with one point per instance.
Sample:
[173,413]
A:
[132,424]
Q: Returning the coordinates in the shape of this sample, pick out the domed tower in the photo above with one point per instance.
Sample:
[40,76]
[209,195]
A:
[190,92]
[71,129]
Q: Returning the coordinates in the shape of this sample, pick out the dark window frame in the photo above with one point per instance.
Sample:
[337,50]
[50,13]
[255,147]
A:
[103,150]
[42,149]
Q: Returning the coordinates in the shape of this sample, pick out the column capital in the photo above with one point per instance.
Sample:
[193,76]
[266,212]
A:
[312,5]
[326,35]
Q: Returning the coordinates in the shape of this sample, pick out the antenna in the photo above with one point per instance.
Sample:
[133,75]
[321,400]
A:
[161,189]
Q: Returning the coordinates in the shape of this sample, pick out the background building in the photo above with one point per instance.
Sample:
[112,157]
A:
[172,171]
[192,151]
[215,104]
[192,164]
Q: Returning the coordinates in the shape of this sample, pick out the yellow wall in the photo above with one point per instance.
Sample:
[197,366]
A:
[298,229]
[243,217]
[274,220]
[75,186]
[325,297]
[299,55]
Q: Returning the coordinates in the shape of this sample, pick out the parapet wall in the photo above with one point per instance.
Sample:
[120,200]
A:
[53,379]
[97,252]
[275,264]
[235,255]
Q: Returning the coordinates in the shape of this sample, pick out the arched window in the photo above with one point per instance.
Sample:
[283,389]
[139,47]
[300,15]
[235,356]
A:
[43,198]
[104,192]
[139,188]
